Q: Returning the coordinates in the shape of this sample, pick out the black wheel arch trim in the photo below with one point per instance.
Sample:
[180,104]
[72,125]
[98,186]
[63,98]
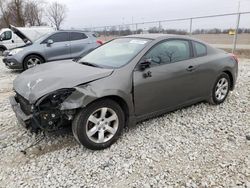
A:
[3,47]
[231,77]
[37,54]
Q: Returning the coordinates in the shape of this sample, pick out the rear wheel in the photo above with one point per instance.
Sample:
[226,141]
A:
[99,125]
[32,61]
[220,90]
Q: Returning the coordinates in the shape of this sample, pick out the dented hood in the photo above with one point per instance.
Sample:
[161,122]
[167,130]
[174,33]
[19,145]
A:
[43,79]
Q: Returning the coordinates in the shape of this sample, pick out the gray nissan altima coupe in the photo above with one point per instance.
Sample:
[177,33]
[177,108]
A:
[125,81]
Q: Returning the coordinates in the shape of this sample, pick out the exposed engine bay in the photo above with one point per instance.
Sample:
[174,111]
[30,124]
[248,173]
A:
[46,114]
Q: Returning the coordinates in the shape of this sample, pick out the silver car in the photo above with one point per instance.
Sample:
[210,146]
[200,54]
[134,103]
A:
[124,81]
[58,45]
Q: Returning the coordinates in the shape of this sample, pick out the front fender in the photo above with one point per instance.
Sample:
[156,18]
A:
[79,98]
[85,94]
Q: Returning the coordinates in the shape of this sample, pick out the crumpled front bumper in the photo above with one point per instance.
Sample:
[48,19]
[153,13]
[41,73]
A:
[22,118]
[38,120]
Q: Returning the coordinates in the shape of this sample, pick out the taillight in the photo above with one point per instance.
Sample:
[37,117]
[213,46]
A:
[99,42]
[234,57]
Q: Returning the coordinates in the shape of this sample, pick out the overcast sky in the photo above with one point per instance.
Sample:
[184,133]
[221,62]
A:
[87,13]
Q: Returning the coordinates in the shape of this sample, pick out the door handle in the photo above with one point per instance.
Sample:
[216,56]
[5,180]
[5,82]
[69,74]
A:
[12,41]
[191,68]
[67,45]
[147,74]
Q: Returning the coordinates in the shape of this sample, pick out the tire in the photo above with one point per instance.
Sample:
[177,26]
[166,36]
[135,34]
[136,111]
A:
[219,94]
[32,61]
[99,125]
[1,51]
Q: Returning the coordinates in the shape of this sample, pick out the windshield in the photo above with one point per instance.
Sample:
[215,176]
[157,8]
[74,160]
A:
[44,36]
[115,53]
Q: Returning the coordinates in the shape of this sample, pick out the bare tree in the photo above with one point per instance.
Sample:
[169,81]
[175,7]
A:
[33,12]
[21,12]
[16,12]
[12,12]
[4,13]
[57,14]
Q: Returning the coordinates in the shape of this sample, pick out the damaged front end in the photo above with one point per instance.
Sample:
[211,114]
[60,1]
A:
[48,95]
[46,113]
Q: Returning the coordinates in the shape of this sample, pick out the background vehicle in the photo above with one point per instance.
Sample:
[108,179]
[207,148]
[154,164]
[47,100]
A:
[122,82]
[9,39]
[59,45]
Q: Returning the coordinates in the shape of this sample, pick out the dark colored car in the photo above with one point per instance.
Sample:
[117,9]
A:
[58,45]
[125,81]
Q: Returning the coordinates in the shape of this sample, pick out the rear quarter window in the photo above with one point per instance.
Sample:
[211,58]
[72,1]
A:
[200,49]
[77,36]
[59,37]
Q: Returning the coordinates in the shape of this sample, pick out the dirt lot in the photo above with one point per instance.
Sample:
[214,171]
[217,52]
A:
[223,38]
[199,146]
[243,39]
[222,41]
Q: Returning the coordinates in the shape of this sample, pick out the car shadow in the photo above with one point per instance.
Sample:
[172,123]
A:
[47,142]
[16,71]
[63,138]
[131,128]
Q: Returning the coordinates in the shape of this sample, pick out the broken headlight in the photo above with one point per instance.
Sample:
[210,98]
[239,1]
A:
[48,113]
[55,98]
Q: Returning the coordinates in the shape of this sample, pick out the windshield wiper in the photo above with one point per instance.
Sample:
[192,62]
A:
[91,64]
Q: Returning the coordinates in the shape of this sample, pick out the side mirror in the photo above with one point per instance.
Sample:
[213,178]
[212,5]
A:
[49,42]
[145,64]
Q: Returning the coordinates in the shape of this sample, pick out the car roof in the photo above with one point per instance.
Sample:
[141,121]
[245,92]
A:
[88,33]
[73,30]
[155,36]
[5,29]
[149,36]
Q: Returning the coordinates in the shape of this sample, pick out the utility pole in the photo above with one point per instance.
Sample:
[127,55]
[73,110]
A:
[236,29]
[159,27]
[191,26]
[132,24]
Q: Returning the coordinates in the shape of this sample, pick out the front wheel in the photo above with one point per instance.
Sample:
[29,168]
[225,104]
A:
[32,61]
[220,90]
[1,51]
[99,125]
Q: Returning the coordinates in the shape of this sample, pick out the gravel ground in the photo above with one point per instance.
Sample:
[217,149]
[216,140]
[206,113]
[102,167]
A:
[199,146]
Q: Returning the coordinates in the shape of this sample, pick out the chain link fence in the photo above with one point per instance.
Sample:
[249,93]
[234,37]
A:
[228,31]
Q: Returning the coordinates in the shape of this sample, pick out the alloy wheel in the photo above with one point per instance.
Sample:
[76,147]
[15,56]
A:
[102,125]
[32,62]
[221,89]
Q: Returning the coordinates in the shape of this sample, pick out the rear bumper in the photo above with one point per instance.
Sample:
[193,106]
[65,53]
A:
[235,76]
[12,63]
[22,118]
